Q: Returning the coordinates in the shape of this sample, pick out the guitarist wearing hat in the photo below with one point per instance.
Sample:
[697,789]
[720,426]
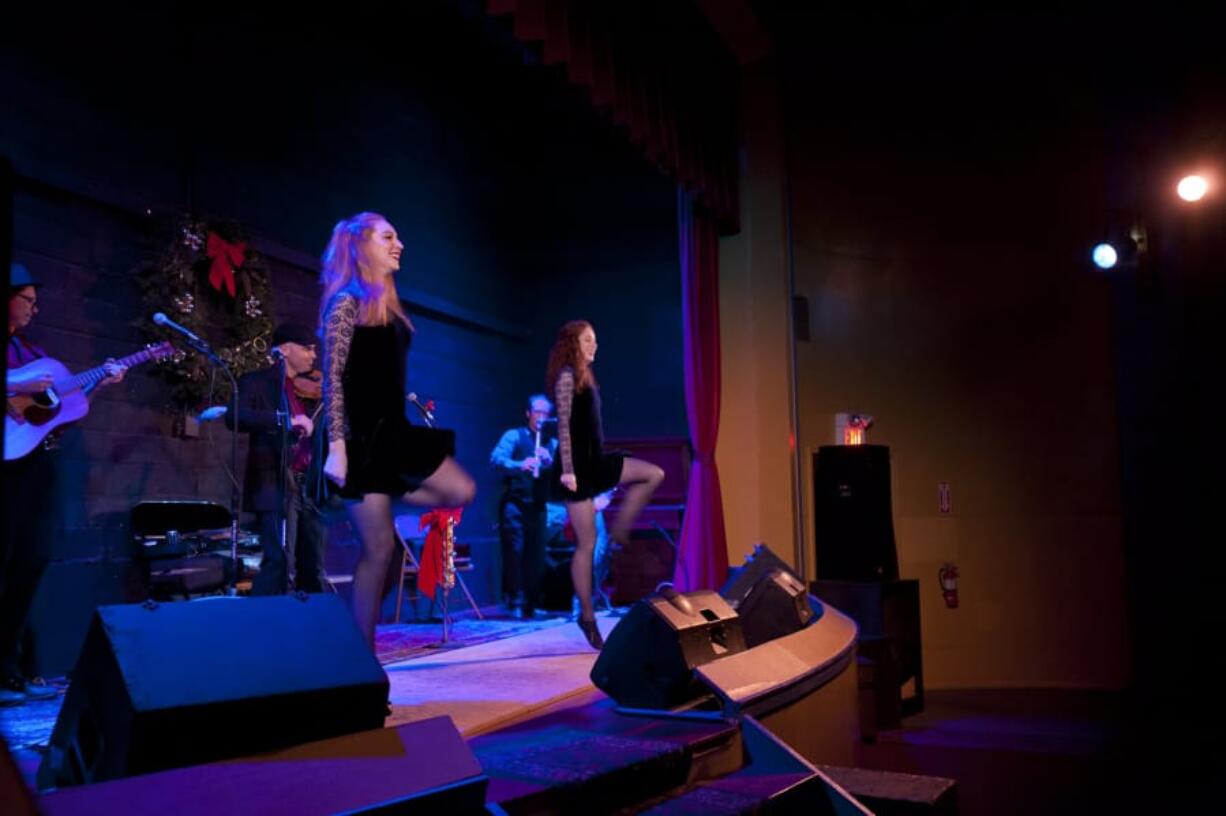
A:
[29,486]
[269,396]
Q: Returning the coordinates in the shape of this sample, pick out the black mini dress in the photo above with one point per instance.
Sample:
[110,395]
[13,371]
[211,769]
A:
[366,367]
[596,470]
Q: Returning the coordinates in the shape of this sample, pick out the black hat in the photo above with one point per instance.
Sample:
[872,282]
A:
[293,333]
[20,277]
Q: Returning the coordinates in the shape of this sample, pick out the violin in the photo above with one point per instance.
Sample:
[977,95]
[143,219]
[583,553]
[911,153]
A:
[309,386]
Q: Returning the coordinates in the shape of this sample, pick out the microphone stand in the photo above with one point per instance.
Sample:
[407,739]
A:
[284,430]
[236,495]
[426,414]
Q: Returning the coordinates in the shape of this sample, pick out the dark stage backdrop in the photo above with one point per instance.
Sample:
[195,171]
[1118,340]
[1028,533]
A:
[519,208]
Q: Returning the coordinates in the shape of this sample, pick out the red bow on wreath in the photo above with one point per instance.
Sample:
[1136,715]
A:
[225,256]
[431,573]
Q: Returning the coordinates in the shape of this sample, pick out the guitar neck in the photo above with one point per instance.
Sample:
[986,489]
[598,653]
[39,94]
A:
[97,374]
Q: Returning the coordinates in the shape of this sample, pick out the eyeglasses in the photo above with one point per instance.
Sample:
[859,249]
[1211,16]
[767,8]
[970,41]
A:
[33,301]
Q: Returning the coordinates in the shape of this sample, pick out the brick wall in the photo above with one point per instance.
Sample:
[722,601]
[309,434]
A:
[519,211]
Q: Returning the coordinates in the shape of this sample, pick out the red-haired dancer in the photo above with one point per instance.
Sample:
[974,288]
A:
[587,470]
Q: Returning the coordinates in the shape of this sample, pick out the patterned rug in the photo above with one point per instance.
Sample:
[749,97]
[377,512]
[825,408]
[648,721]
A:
[402,641]
[487,686]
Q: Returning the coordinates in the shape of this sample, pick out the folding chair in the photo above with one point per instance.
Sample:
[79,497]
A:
[408,530]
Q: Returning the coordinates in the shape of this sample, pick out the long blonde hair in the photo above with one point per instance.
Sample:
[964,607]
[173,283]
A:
[346,269]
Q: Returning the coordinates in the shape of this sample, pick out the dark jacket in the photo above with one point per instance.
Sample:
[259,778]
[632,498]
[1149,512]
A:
[261,395]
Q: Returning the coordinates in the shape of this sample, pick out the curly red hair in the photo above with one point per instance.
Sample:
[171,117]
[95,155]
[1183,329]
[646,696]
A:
[565,352]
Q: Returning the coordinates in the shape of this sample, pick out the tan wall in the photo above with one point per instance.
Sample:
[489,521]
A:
[998,381]
[987,364]
[753,454]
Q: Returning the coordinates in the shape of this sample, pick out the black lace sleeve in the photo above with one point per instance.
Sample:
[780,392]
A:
[563,397]
[339,321]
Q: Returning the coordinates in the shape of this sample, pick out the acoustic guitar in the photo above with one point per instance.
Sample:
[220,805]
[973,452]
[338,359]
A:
[29,418]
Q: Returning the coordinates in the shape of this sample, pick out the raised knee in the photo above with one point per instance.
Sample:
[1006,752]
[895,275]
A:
[656,476]
[466,491]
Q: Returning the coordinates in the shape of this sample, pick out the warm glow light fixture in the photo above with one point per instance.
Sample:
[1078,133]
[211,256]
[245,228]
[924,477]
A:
[853,427]
[1192,188]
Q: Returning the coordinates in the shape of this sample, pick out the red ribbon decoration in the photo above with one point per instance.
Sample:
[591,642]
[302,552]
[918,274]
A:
[225,256]
[431,572]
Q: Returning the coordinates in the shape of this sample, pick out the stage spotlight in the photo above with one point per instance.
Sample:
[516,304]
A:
[1105,256]
[1192,188]
[1123,243]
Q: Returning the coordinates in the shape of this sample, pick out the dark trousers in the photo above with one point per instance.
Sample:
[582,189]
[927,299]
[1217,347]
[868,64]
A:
[522,531]
[29,488]
[301,562]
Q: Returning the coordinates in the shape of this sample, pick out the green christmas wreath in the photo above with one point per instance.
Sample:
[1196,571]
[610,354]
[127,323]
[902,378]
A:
[207,279]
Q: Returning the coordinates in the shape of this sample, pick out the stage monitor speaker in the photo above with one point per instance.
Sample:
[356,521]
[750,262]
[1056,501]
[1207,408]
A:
[776,606]
[14,795]
[422,767]
[160,686]
[769,598]
[649,659]
[852,514]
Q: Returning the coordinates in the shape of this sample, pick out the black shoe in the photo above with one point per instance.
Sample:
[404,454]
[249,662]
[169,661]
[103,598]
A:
[31,690]
[39,689]
[592,632]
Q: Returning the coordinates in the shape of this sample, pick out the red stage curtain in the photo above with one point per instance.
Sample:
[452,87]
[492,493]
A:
[702,557]
[658,74]
[665,79]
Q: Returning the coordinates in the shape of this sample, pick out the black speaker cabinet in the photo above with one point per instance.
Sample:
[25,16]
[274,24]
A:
[160,686]
[758,564]
[422,767]
[649,659]
[768,597]
[777,605]
[16,797]
[852,514]
[888,614]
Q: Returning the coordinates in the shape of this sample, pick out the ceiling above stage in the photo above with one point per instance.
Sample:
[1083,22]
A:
[1047,114]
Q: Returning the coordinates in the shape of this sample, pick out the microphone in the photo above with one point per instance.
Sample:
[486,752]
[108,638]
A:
[426,413]
[211,413]
[162,320]
[668,592]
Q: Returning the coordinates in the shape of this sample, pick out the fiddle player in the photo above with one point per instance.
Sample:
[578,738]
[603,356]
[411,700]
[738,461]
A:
[266,397]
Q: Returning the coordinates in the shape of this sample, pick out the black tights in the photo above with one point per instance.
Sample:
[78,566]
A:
[449,486]
[640,480]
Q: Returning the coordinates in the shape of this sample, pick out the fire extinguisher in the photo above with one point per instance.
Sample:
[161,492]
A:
[948,575]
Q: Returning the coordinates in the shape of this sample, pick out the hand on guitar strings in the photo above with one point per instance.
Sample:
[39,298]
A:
[114,372]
